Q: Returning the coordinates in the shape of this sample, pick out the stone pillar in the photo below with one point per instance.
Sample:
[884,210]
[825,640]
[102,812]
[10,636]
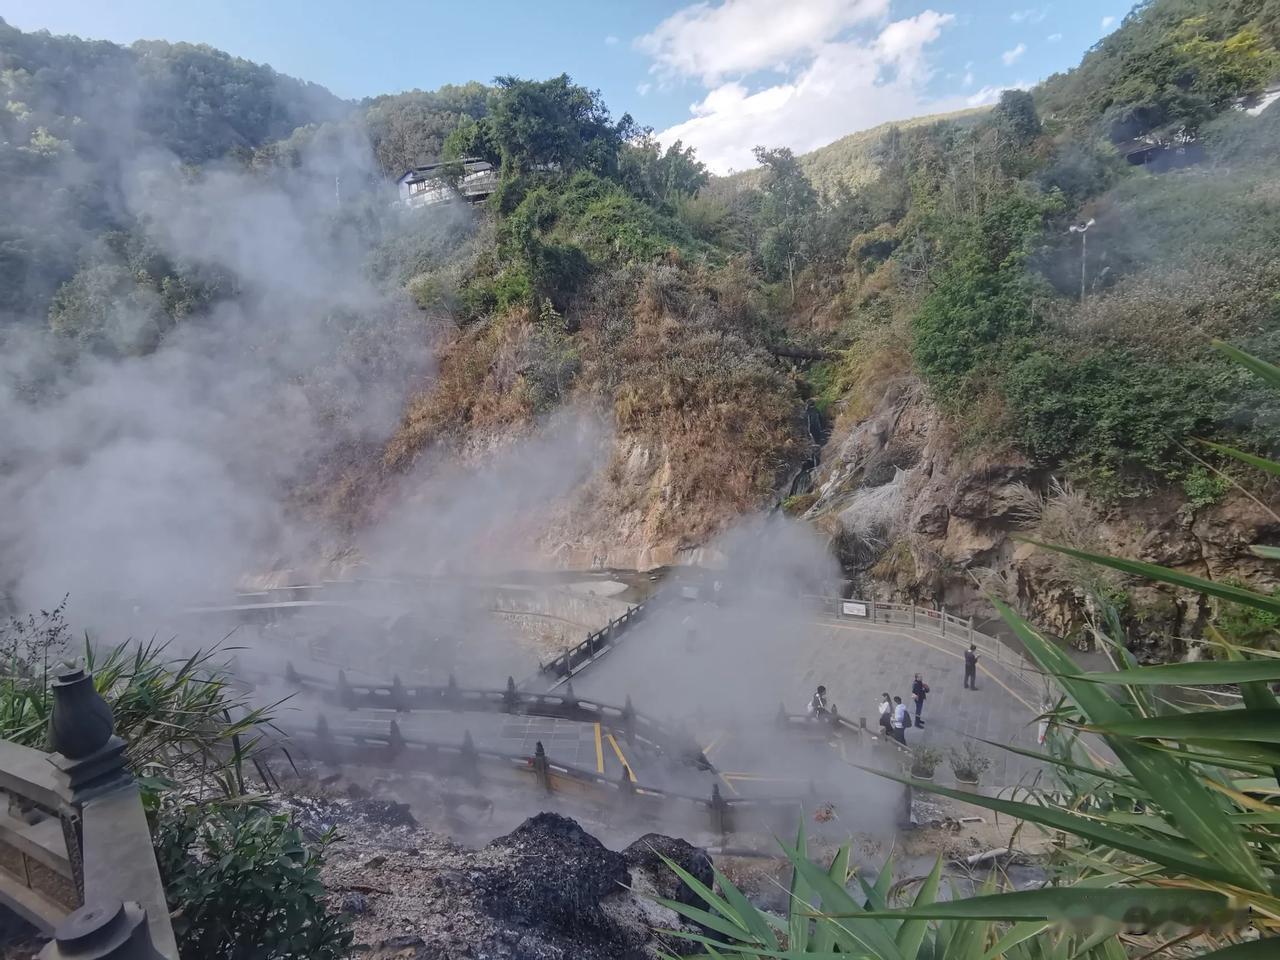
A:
[98,931]
[108,841]
[542,767]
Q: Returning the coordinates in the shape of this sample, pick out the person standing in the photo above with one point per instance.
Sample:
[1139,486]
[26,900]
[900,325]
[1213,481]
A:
[818,703]
[971,668]
[919,690]
[886,714]
[900,720]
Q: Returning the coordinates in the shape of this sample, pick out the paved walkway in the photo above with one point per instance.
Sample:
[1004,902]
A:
[855,661]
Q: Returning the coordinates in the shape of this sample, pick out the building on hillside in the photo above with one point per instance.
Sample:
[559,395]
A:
[470,179]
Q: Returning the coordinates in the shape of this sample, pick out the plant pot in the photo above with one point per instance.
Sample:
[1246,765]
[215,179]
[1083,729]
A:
[967,783]
[922,776]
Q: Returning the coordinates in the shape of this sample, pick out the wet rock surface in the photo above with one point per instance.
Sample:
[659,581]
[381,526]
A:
[546,891]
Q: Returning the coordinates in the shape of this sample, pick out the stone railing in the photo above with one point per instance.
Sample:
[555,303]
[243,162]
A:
[597,644]
[76,859]
[406,698]
[337,747]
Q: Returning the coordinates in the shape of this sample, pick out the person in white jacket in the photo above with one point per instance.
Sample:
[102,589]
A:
[885,707]
[900,720]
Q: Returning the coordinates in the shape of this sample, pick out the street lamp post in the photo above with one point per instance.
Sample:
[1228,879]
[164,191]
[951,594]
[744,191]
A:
[1082,229]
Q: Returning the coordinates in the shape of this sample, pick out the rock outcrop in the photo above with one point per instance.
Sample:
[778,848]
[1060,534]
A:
[546,891]
[917,518]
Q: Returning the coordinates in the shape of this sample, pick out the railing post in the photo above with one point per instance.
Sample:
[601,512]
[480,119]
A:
[719,812]
[509,697]
[542,767]
[108,840]
[913,616]
[971,629]
[468,759]
[398,699]
[629,719]
[872,609]
[943,620]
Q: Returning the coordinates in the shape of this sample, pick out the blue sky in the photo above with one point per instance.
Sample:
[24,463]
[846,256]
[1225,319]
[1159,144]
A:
[721,74]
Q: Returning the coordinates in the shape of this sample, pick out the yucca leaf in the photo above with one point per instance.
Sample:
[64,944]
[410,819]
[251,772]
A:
[911,934]
[1264,949]
[1267,553]
[707,895]
[747,912]
[825,931]
[1196,812]
[739,950]
[707,919]
[1191,673]
[1151,571]
[1015,935]
[836,901]
[1261,463]
[1147,906]
[1268,373]
[800,898]
[1229,724]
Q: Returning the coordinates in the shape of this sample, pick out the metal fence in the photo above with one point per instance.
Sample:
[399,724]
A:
[958,631]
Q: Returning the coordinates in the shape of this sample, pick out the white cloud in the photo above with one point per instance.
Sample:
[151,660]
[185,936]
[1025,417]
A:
[1054,37]
[611,41]
[989,95]
[967,80]
[845,85]
[1031,15]
[1108,23]
[1010,57]
[643,89]
[711,42]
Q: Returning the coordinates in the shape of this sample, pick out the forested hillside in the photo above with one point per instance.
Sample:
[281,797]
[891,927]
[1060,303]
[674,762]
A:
[912,297]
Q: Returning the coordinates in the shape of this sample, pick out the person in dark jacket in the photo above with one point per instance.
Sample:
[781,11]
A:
[971,668]
[919,690]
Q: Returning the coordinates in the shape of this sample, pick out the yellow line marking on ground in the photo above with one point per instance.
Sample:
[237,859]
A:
[959,656]
[621,759]
[754,778]
[599,752]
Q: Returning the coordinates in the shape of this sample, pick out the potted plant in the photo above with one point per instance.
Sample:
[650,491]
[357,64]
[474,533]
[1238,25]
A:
[924,760]
[968,764]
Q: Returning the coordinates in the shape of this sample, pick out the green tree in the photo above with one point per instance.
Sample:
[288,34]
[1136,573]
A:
[554,124]
[1016,118]
[662,178]
[786,213]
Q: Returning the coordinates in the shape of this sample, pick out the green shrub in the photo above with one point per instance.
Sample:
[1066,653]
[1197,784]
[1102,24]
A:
[980,308]
[1203,487]
[1111,414]
[244,884]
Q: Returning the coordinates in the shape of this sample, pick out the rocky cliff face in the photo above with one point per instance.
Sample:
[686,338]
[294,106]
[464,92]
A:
[916,517]
[546,891]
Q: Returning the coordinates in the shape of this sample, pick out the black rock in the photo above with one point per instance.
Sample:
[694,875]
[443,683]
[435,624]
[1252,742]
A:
[554,874]
[354,903]
[646,854]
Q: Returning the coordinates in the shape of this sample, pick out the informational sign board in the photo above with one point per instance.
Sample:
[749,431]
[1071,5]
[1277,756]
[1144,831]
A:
[851,609]
[689,593]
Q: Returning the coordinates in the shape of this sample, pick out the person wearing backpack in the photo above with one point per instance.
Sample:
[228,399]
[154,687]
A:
[885,706]
[901,720]
[919,690]
[971,668]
